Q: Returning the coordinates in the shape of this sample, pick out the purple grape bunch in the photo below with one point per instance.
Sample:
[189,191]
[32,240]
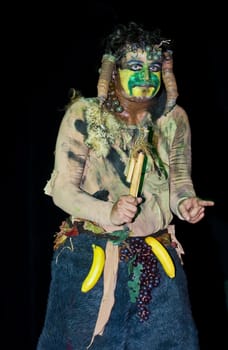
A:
[143,273]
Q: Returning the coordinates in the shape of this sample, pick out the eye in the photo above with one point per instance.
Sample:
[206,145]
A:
[155,67]
[135,66]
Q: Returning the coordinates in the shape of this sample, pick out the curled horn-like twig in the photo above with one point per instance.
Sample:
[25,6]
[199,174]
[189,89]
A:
[169,81]
[106,70]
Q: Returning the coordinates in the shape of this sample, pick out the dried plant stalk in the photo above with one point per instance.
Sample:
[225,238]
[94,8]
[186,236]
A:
[131,169]
[137,175]
[106,70]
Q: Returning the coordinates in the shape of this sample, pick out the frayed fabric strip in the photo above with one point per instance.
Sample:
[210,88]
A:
[108,299]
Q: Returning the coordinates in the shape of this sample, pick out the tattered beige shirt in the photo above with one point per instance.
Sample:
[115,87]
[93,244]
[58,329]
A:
[80,171]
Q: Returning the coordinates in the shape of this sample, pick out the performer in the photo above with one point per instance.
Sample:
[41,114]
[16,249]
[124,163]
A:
[122,171]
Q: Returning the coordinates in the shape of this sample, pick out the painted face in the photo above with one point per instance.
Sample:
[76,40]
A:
[140,76]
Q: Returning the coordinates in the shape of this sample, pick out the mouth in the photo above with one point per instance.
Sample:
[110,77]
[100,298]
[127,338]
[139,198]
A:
[143,91]
[143,85]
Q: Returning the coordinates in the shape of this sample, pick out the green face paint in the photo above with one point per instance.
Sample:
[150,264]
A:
[140,76]
[154,53]
[140,83]
[138,80]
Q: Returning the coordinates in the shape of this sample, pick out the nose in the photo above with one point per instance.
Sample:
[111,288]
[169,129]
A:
[146,72]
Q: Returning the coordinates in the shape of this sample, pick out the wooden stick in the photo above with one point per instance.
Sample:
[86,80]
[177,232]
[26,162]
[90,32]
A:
[137,175]
[130,169]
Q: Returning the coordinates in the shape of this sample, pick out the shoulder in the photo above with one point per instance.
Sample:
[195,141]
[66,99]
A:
[177,115]
[79,106]
[174,121]
[75,116]
[77,111]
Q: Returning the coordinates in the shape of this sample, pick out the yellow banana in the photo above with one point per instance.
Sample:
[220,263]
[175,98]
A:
[96,269]
[163,255]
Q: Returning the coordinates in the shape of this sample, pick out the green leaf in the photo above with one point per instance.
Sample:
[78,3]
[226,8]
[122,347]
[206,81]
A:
[92,227]
[134,283]
[120,236]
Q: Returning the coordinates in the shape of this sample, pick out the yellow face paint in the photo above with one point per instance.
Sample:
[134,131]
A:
[140,76]
[133,85]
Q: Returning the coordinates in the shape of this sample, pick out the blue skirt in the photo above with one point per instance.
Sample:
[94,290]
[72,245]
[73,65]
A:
[71,314]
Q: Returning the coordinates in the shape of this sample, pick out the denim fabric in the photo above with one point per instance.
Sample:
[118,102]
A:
[71,315]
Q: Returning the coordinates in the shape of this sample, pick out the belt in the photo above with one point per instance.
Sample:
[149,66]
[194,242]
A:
[78,226]
[82,227]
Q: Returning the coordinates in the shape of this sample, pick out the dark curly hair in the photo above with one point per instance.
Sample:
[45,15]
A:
[131,37]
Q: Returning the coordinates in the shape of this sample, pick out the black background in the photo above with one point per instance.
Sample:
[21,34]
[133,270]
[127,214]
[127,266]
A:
[45,52]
